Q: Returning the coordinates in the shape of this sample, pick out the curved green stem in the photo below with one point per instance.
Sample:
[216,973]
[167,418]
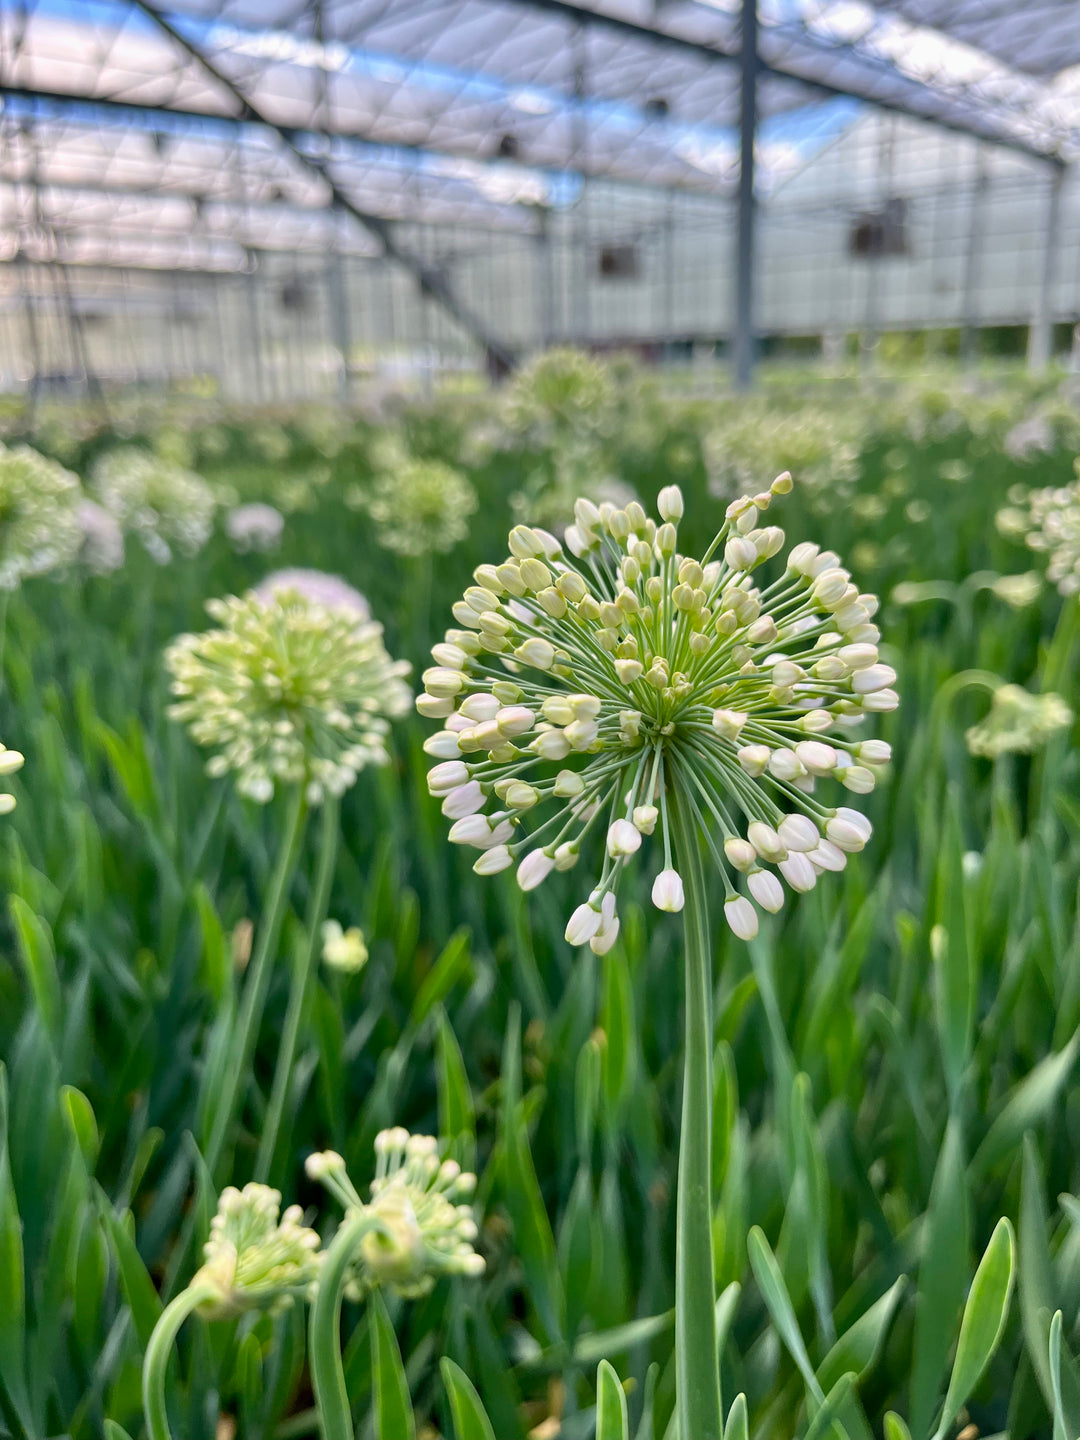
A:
[697,1375]
[324,1328]
[301,983]
[257,981]
[156,1362]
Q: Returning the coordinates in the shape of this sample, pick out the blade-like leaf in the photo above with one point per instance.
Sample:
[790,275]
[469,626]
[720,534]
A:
[393,1406]
[612,1420]
[470,1417]
[984,1320]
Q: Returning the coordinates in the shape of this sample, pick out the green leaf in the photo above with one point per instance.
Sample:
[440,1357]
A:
[1029,1103]
[135,1280]
[896,1427]
[80,1117]
[612,1420]
[113,1431]
[393,1406]
[617,1020]
[827,1417]
[591,1348]
[943,1274]
[737,1425]
[985,1314]
[453,963]
[861,1344]
[457,1115]
[470,1417]
[39,962]
[12,1281]
[1060,1432]
[954,970]
[774,1293]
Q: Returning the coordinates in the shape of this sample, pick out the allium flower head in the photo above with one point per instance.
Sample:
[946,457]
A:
[253,1260]
[1048,522]
[162,503]
[419,507]
[425,1229]
[317,586]
[287,691]
[344,950]
[254,527]
[585,689]
[1018,723]
[39,515]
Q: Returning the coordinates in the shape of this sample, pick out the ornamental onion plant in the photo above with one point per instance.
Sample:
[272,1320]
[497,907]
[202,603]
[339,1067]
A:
[614,685]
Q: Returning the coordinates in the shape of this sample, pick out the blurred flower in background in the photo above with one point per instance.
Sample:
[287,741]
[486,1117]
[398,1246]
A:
[287,691]
[316,586]
[102,549]
[256,526]
[1018,723]
[344,950]
[419,507]
[253,1260]
[39,515]
[1048,522]
[161,503]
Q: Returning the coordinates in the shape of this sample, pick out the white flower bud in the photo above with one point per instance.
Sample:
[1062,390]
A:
[829,587]
[858,657]
[434,707]
[802,558]
[443,745]
[478,707]
[827,856]
[798,872]
[464,800]
[766,841]
[580,734]
[667,891]
[782,484]
[623,839]
[754,759]
[740,553]
[785,764]
[874,752]
[856,818]
[514,720]
[551,745]
[741,917]
[605,937]
[525,543]
[728,723]
[567,855]
[446,777]
[873,678]
[629,670]
[881,702]
[816,722]
[766,890]
[798,833]
[818,758]
[645,818]
[493,860]
[740,853]
[534,868]
[669,504]
[583,924]
[442,682]
[844,835]
[858,779]
[536,652]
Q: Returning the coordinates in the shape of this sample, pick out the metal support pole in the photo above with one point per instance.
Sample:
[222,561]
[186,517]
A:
[969,334]
[340,329]
[1041,333]
[580,322]
[744,275]
[546,277]
[255,339]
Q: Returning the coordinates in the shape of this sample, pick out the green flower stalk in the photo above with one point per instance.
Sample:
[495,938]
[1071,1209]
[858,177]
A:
[618,685]
[252,1261]
[39,515]
[415,1228]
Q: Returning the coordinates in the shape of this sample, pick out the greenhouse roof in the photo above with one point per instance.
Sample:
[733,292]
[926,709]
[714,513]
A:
[219,127]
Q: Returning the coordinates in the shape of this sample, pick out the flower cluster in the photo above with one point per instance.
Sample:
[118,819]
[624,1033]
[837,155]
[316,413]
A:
[422,1229]
[163,504]
[10,762]
[102,548]
[605,683]
[254,526]
[344,950]
[287,691]
[1048,522]
[418,507]
[318,587]
[39,515]
[253,1260]
[1018,723]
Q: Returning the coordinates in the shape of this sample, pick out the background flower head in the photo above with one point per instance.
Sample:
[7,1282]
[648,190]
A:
[160,502]
[419,506]
[287,691]
[253,1260]
[39,515]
